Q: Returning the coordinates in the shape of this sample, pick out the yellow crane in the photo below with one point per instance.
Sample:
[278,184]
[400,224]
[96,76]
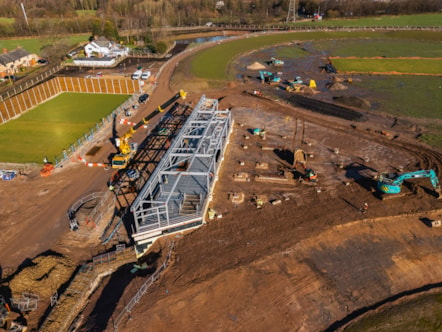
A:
[128,149]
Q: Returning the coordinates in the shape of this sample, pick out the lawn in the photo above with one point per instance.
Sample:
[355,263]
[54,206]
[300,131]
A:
[53,126]
[392,45]
[405,95]
[404,66]
[420,20]
[222,54]
[416,96]
[423,313]
[34,45]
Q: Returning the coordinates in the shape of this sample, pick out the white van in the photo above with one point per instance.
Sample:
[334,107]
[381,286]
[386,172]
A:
[137,75]
[145,75]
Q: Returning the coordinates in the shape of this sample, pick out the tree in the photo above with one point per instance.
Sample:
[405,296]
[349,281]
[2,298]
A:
[160,47]
[110,31]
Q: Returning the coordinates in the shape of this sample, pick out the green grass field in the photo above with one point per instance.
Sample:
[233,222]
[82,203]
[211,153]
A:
[423,313]
[404,66]
[53,126]
[420,20]
[406,95]
[34,45]
[427,45]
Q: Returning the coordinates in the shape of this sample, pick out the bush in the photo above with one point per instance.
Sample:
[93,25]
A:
[161,47]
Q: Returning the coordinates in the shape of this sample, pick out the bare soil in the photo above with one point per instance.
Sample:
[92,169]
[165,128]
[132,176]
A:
[305,264]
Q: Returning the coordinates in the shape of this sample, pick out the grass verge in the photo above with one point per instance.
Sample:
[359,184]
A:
[34,45]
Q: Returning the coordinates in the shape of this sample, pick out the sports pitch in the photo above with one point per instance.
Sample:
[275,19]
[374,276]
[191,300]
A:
[53,126]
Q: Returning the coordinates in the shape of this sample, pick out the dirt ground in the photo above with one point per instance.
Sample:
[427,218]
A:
[310,262]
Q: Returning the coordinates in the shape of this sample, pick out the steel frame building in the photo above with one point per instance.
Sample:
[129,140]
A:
[176,196]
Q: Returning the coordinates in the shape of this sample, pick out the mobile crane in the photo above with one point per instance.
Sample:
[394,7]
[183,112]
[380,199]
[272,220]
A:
[128,149]
[391,183]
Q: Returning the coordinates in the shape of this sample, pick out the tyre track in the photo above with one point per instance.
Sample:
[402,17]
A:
[427,157]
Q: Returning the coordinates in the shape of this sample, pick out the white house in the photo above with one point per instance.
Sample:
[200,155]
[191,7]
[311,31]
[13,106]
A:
[101,47]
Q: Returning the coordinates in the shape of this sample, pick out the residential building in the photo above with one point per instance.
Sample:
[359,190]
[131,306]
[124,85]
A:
[12,62]
[102,47]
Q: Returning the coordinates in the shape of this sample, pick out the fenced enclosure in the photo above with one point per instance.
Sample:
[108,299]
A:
[30,98]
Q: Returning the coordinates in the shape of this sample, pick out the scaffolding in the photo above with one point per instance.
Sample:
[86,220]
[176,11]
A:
[177,193]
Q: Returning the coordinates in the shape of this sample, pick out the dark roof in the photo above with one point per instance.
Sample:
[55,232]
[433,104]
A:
[103,59]
[13,56]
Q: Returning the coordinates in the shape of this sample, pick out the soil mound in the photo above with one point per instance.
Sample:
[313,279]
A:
[308,91]
[353,102]
[44,276]
[336,86]
[256,66]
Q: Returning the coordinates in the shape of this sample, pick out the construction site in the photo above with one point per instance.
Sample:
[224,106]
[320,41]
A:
[250,207]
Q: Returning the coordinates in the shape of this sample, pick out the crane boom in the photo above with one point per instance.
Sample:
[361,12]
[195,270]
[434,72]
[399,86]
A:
[126,148]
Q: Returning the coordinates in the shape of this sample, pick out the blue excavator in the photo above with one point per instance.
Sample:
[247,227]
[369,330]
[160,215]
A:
[392,183]
[270,78]
[276,62]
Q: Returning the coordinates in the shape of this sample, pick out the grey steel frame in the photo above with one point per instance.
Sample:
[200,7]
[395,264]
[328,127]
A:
[187,171]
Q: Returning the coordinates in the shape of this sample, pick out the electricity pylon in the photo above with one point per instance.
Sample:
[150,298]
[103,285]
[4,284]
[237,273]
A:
[291,15]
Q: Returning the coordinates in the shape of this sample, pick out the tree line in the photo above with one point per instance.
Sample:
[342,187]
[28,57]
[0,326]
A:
[52,17]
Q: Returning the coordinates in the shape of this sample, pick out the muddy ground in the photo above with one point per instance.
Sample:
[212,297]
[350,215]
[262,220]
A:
[309,263]
[315,258]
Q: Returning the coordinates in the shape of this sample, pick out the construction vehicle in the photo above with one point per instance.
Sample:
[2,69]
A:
[310,175]
[48,169]
[9,319]
[295,85]
[297,80]
[329,68]
[270,78]
[392,183]
[260,132]
[211,213]
[128,149]
[259,201]
[276,62]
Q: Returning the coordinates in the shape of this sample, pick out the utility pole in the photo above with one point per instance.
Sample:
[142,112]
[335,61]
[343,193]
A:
[291,15]
[24,13]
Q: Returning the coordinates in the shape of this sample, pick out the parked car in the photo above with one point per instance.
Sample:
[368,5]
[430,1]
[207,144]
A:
[143,98]
[145,75]
[11,77]
[72,54]
[137,74]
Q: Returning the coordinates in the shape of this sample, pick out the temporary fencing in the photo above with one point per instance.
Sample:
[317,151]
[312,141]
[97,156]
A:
[143,289]
[17,104]
[33,96]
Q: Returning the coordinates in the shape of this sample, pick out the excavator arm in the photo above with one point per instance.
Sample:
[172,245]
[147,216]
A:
[391,184]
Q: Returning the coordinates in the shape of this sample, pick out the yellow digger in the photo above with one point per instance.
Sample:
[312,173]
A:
[128,149]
